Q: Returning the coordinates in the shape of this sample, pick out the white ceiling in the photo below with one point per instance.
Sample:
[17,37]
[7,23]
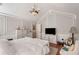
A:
[22,9]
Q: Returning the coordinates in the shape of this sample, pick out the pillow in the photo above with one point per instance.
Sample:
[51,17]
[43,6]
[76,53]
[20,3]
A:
[68,41]
[63,36]
[6,48]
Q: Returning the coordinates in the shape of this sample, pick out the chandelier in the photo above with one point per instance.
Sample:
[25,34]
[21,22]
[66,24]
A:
[35,10]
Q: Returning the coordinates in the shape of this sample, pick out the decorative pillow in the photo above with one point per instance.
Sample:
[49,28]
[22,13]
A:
[68,41]
[63,36]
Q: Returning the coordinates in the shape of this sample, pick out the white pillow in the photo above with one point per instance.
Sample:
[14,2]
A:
[6,48]
[63,36]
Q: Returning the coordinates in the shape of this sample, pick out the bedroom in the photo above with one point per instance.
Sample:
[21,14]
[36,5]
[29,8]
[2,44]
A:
[23,28]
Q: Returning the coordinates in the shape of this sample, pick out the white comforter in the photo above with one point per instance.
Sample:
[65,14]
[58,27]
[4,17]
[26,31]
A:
[31,46]
[27,46]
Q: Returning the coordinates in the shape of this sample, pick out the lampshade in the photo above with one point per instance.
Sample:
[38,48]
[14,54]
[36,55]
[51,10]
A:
[73,29]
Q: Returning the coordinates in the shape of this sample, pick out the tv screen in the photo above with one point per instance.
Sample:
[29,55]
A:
[50,31]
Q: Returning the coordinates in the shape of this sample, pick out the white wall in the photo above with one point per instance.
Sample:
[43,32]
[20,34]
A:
[64,23]
[77,23]
[2,25]
[50,20]
[61,21]
[8,26]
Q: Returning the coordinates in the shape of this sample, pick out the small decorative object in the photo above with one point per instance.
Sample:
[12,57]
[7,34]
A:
[35,10]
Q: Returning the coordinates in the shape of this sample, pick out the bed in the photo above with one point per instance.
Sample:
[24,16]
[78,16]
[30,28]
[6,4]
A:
[24,46]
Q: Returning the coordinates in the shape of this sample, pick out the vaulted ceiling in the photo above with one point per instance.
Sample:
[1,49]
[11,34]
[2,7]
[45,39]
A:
[21,10]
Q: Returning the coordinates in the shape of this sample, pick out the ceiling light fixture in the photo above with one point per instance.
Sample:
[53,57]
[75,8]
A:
[35,10]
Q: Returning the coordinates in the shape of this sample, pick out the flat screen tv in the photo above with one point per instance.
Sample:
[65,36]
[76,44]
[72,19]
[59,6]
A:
[50,31]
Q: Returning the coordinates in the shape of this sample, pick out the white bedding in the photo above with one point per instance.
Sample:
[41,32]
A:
[31,46]
[24,46]
[6,48]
